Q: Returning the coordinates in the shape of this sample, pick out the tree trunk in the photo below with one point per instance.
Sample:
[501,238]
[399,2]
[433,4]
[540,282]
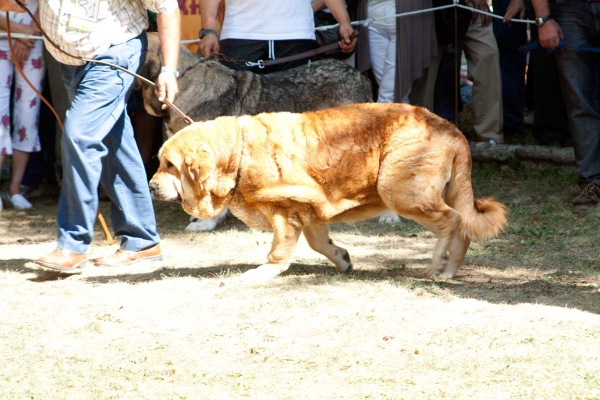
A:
[485,152]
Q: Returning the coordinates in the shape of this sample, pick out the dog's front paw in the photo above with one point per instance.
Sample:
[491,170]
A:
[201,225]
[389,217]
[447,274]
[441,273]
[205,225]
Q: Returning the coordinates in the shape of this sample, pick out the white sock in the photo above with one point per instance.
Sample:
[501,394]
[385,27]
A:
[19,202]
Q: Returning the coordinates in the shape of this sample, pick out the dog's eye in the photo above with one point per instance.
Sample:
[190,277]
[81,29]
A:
[169,164]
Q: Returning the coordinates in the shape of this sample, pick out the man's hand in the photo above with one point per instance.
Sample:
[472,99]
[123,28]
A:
[480,5]
[11,5]
[346,44]
[22,49]
[515,7]
[209,45]
[166,88]
[550,34]
[34,30]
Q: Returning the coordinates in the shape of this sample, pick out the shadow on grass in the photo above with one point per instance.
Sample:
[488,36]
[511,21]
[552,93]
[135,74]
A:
[544,291]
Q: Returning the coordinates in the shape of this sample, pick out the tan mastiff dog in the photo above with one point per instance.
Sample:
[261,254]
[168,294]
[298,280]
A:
[296,173]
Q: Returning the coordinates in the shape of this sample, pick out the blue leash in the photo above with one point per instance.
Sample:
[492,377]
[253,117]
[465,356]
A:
[534,44]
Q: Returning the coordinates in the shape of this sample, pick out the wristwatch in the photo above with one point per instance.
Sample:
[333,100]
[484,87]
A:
[204,32]
[170,71]
[542,20]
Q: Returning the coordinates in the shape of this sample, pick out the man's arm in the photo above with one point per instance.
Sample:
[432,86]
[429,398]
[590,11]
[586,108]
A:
[480,5]
[317,5]
[516,7]
[209,44]
[11,5]
[550,32]
[339,12]
[169,35]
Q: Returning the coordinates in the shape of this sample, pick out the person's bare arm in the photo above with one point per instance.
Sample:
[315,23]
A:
[11,5]
[15,27]
[480,5]
[209,44]
[169,35]
[317,5]
[550,33]
[339,12]
[516,7]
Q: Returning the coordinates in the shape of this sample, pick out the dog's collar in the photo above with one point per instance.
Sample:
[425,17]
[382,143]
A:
[238,176]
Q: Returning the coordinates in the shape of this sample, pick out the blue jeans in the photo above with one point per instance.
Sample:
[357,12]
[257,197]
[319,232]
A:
[98,145]
[580,81]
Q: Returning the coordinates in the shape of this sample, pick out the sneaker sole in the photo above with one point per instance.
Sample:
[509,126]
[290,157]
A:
[151,259]
[76,269]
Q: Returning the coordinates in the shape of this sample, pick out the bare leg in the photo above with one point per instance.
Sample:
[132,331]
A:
[318,239]
[1,163]
[285,237]
[19,163]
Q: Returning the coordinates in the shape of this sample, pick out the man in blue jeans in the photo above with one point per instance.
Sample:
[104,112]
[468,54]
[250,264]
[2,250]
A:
[98,142]
[577,22]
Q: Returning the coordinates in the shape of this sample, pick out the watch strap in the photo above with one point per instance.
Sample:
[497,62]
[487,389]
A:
[170,71]
[543,20]
[204,32]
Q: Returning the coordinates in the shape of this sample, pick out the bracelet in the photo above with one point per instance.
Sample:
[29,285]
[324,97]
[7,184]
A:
[204,32]
[170,71]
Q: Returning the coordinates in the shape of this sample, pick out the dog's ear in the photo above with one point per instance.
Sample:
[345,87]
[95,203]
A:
[203,169]
[197,168]
[224,186]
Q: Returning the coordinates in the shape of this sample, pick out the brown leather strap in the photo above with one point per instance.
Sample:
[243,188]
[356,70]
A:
[305,54]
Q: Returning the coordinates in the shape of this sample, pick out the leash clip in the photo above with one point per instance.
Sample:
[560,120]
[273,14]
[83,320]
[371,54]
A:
[260,64]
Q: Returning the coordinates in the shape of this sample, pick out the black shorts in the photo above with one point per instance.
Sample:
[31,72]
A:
[242,50]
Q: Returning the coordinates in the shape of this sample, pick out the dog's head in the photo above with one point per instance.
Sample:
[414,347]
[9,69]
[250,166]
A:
[199,167]
[150,70]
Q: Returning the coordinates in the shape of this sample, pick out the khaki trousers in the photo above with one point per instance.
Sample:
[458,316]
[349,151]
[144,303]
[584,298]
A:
[483,68]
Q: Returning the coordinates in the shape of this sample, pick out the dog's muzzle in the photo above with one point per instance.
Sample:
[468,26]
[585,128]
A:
[158,195]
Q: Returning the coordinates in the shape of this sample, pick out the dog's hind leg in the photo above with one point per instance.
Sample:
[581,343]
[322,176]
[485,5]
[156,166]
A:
[444,222]
[456,255]
[318,239]
[286,231]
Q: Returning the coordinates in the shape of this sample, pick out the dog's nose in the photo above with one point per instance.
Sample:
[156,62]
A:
[153,187]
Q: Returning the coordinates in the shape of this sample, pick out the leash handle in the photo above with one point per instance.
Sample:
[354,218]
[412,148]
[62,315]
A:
[534,44]
[299,56]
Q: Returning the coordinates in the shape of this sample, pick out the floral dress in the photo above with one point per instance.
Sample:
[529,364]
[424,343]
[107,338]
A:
[21,131]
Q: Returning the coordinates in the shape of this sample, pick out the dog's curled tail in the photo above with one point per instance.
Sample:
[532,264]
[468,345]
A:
[481,218]
[486,218]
